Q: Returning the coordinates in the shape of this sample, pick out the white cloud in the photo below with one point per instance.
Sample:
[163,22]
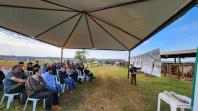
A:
[14,44]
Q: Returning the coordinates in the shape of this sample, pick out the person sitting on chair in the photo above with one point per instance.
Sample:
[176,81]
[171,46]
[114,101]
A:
[36,65]
[74,76]
[62,74]
[23,73]
[54,69]
[133,71]
[69,70]
[68,80]
[29,66]
[36,88]
[51,85]
[14,82]
[88,73]
[2,76]
[43,68]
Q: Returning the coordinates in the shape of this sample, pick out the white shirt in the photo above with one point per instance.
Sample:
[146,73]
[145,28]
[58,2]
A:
[69,71]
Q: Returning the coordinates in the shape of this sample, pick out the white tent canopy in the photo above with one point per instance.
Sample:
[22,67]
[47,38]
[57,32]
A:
[87,24]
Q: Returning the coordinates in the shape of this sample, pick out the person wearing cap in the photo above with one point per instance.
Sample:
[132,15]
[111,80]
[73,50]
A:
[15,83]
[36,88]
[51,85]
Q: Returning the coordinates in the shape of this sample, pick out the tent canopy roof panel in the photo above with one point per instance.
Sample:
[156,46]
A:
[91,24]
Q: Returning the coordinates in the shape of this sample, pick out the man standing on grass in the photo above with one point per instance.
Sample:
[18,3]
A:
[14,82]
[133,71]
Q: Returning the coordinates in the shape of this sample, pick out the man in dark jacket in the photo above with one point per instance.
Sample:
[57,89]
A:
[133,71]
[36,88]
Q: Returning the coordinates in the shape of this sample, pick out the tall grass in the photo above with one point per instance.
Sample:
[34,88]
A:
[112,91]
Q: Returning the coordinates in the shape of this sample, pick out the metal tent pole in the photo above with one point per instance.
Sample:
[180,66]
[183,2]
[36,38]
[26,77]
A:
[61,56]
[129,63]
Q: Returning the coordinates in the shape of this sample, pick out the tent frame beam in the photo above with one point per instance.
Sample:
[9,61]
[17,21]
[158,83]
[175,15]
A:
[55,26]
[47,1]
[167,22]
[170,20]
[67,39]
[122,30]
[119,5]
[28,36]
[51,43]
[89,31]
[36,8]
[109,33]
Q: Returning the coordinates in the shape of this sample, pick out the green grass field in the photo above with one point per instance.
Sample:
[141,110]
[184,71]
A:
[112,91]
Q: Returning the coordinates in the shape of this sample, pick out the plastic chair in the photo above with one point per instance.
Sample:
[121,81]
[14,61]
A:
[34,103]
[87,78]
[10,98]
[57,71]
[57,80]
[174,103]
[63,88]
[81,76]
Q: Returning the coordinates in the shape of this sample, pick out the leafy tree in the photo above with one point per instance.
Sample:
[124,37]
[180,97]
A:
[80,55]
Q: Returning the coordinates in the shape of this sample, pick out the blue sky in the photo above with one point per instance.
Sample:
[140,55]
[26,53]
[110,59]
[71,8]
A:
[180,35]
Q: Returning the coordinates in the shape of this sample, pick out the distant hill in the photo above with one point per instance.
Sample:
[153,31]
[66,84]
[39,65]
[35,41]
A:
[72,60]
[30,58]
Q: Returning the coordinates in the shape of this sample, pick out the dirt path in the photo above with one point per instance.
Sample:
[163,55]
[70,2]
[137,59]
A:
[110,93]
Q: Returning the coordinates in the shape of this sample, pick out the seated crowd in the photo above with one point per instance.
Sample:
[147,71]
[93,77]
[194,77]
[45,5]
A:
[46,82]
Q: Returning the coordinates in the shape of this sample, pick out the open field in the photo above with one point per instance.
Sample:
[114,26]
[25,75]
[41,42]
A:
[112,91]
[8,63]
